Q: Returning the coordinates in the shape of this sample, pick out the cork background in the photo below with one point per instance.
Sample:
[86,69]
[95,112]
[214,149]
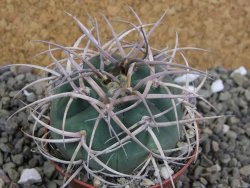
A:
[220,26]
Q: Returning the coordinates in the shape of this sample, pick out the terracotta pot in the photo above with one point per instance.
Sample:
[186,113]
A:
[75,183]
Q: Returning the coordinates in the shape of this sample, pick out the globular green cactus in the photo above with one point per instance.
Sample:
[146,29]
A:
[80,116]
[112,110]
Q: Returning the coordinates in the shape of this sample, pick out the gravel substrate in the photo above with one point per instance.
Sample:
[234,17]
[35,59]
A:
[224,159]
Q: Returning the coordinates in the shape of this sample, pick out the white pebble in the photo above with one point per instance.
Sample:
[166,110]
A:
[97,183]
[147,182]
[30,176]
[184,147]
[217,86]
[166,172]
[26,93]
[225,128]
[242,71]
[186,78]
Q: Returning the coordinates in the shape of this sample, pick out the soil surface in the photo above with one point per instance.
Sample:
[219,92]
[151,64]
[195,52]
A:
[221,26]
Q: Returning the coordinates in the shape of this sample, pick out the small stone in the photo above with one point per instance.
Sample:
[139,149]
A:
[5,147]
[147,182]
[225,128]
[166,172]
[215,146]
[213,177]
[197,184]
[13,174]
[225,96]
[238,79]
[204,93]
[186,78]
[18,159]
[247,131]
[30,176]
[217,86]
[19,77]
[203,181]
[198,171]
[226,158]
[233,162]
[233,120]
[5,100]
[97,183]
[31,97]
[51,184]
[208,131]
[247,95]
[4,177]
[207,146]
[204,107]
[241,70]
[13,93]
[33,162]
[19,146]
[245,170]
[48,169]
[231,135]
[235,182]
[214,168]
[184,147]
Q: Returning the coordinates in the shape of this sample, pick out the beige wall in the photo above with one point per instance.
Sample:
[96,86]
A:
[221,26]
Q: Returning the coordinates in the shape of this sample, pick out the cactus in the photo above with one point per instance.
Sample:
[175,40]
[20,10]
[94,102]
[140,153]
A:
[124,159]
[113,110]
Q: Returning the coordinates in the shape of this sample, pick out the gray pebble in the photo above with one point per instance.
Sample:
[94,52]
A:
[225,96]
[33,162]
[214,168]
[19,77]
[51,184]
[4,177]
[13,93]
[197,184]
[235,183]
[226,158]
[247,131]
[231,134]
[203,181]
[31,97]
[245,170]
[215,146]
[244,160]
[5,100]
[18,159]
[238,79]
[247,95]
[5,147]
[236,173]
[19,146]
[198,171]
[13,174]
[48,169]
[233,162]
[233,120]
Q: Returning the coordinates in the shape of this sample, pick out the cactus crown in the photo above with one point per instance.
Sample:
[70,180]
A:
[114,109]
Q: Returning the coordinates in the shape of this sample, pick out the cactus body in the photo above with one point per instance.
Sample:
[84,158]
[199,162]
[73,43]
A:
[81,112]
